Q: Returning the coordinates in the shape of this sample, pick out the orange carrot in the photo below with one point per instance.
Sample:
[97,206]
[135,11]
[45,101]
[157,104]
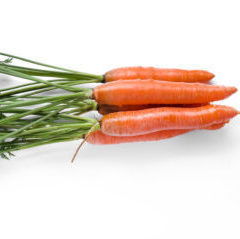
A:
[129,73]
[98,137]
[142,92]
[146,121]
[107,109]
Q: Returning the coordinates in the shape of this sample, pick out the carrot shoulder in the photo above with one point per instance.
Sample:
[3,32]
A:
[129,73]
[146,121]
[142,92]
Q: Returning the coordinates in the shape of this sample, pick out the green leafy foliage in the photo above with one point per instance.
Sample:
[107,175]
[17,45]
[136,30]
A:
[33,114]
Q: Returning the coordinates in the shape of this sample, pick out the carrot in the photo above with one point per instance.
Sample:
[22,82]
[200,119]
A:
[98,137]
[142,92]
[146,121]
[107,109]
[129,73]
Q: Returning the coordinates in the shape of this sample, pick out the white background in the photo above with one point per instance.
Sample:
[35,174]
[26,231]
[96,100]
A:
[186,187]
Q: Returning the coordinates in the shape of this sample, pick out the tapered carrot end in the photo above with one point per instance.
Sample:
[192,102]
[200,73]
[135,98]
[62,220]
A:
[198,76]
[209,75]
[232,90]
[229,91]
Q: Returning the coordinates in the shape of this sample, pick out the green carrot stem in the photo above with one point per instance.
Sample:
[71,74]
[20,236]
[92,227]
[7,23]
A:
[50,66]
[45,73]
[47,134]
[37,143]
[30,125]
[41,88]
[51,130]
[59,136]
[46,131]
[70,106]
[30,84]
[27,89]
[5,70]
[36,62]
[19,116]
[82,95]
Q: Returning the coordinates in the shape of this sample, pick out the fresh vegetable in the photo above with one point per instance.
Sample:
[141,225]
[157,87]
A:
[98,137]
[125,73]
[146,121]
[176,75]
[131,92]
[142,92]
[138,104]
[125,92]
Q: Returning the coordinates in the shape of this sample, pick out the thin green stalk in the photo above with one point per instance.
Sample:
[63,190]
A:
[29,84]
[10,135]
[51,130]
[74,117]
[46,99]
[37,63]
[27,89]
[5,70]
[35,143]
[60,74]
[41,88]
[69,132]
[19,116]
[49,66]
[69,107]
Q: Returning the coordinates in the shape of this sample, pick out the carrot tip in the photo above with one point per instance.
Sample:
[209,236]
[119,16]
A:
[210,75]
[233,90]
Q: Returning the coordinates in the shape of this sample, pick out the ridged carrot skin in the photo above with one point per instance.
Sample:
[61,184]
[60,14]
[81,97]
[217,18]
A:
[146,121]
[143,92]
[98,137]
[107,109]
[216,126]
[177,75]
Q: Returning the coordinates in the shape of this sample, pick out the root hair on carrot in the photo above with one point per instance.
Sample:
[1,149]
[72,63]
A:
[84,141]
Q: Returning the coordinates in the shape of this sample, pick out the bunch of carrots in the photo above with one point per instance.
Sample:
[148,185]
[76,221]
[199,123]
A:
[137,104]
